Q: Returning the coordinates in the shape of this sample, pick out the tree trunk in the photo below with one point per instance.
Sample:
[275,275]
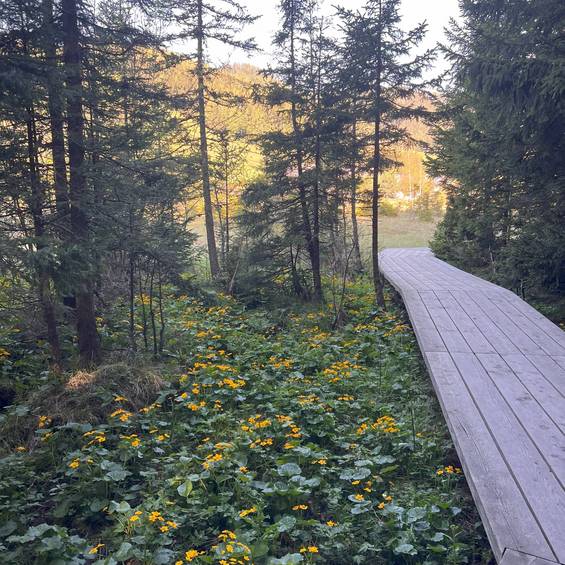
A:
[37,201]
[315,253]
[89,344]
[143,311]
[306,225]
[296,284]
[377,278]
[227,205]
[56,119]
[131,282]
[161,314]
[152,311]
[204,165]
[357,261]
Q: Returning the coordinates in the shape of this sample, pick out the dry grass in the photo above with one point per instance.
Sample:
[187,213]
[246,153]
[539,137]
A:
[84,397]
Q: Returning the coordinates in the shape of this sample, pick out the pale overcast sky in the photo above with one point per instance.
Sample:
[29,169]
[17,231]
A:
[436,12]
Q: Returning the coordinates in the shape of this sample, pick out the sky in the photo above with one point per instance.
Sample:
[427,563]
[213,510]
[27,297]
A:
[437,13]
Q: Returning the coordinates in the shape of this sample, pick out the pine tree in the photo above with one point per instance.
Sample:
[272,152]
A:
[500,145]
[300,78]
[88,339]
[383,78]
[201,21]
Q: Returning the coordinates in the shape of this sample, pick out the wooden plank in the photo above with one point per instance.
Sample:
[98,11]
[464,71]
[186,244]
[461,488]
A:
[542,430]
[542,491]
[506,516]
[448,331]
[537,317]
[550,369]
[548,396]
[539,336]
[559,360]
[512,557]
[498,339]
[476,340]
[426,333]
[499,374]
[522,341]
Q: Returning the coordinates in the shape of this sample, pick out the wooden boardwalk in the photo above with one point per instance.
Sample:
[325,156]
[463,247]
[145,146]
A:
[498,368]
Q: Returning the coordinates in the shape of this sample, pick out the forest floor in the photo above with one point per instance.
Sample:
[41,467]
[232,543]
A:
[266,437]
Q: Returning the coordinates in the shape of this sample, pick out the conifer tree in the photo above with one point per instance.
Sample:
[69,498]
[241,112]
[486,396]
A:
[203,21]
[300,79]
[500,144]
[384,76]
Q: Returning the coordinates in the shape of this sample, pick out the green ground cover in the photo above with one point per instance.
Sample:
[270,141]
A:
[270,438]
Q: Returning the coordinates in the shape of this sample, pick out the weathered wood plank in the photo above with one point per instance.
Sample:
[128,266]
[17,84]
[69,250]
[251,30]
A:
[542,430]
[541,488]
[550,369]
[476,340]
[548,396]
[538,335]
[447,329]
[509,328]
[537,317]
[507,518]
[498,369]
[498,339]
[559,360]
[512,557]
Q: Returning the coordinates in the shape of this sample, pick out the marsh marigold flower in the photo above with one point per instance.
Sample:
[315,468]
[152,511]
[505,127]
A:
[95,549]
[192,554]
[309,549]
[244,513]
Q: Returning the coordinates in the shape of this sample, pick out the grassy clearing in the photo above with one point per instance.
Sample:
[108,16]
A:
[272,439]
[404,230]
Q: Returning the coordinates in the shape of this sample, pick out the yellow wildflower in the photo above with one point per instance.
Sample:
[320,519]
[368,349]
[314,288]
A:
[121,414]
[156,516]
[44,421]
[192,554]
[251,510]
[95,549]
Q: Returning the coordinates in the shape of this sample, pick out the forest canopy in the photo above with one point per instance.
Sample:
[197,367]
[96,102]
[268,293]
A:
[112,143]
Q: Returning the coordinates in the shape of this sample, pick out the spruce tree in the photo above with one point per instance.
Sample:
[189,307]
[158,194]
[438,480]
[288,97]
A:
[500,144]
[203,21]
[384,77]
